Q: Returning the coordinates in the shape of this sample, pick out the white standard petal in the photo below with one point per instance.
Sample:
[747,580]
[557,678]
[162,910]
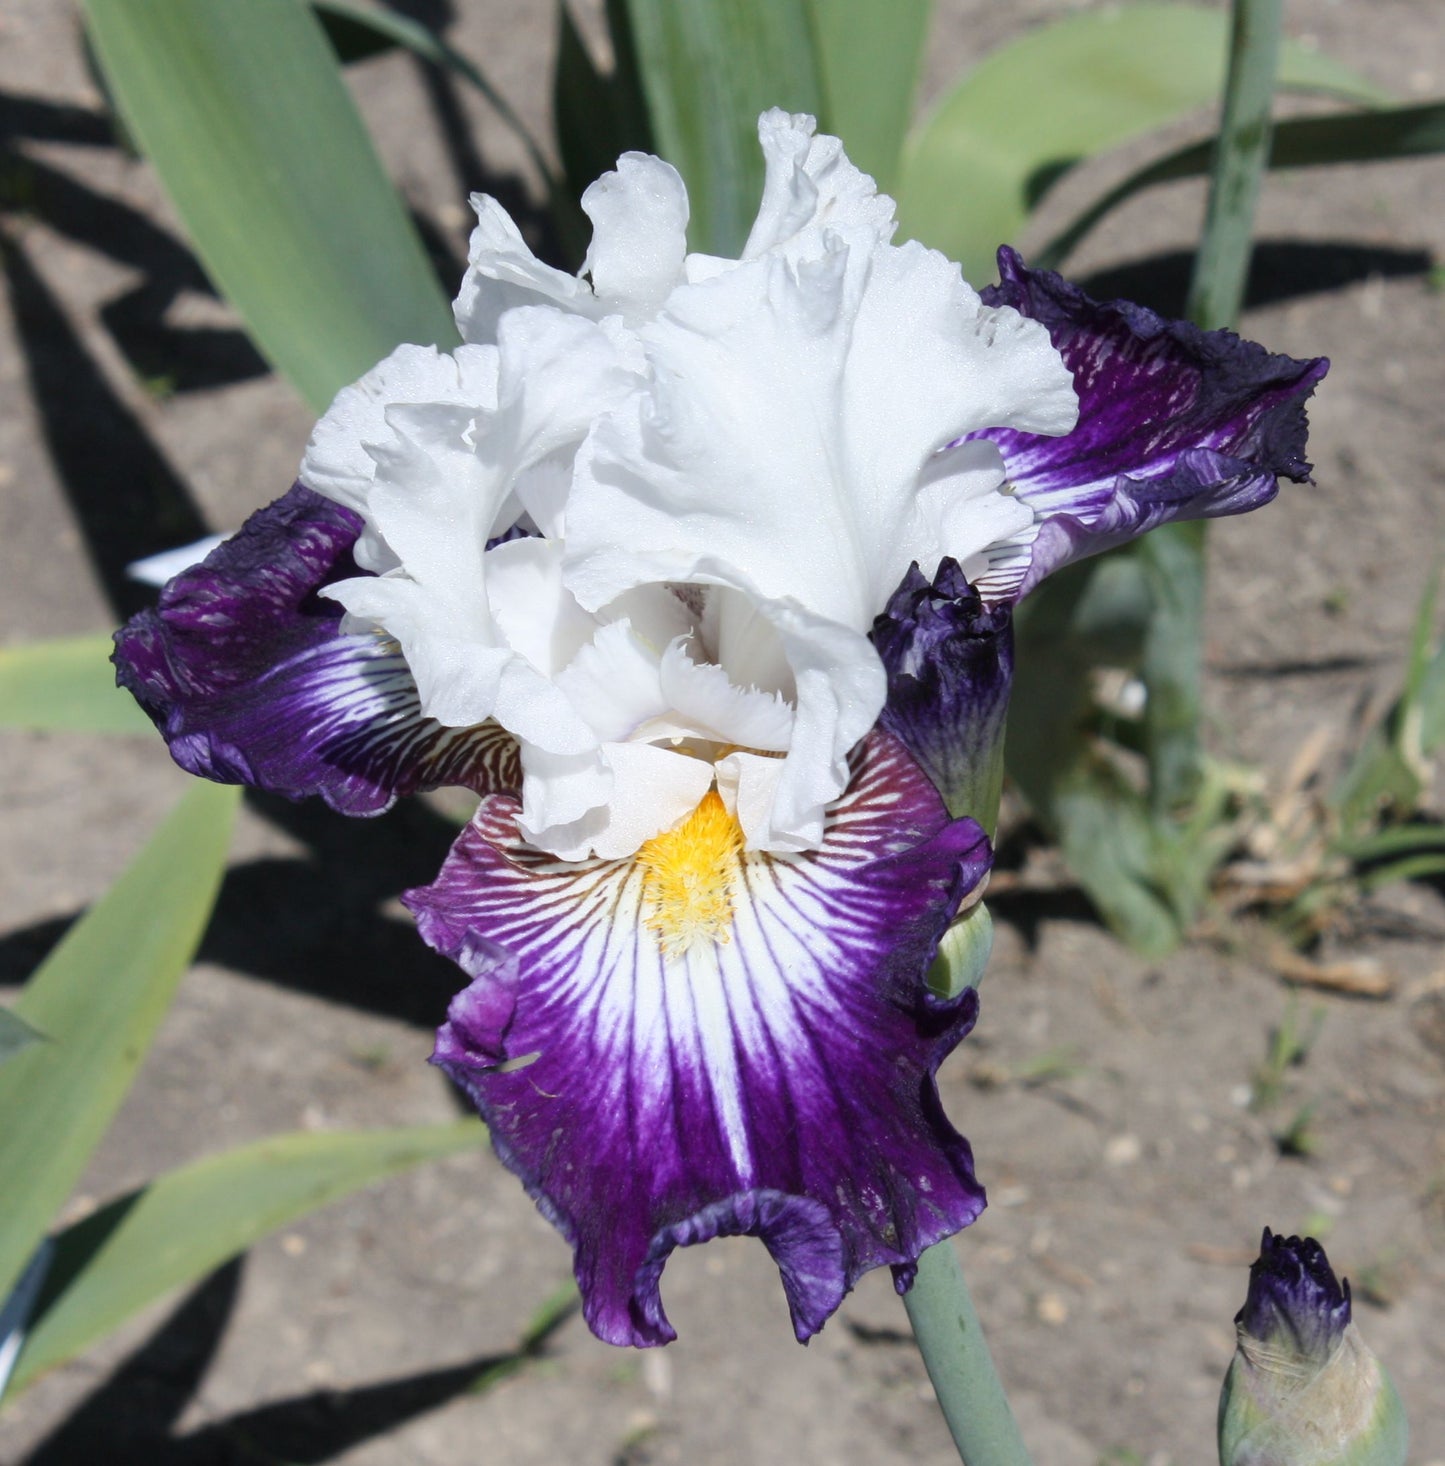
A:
[639,235]
[503,273]
[795,413]
[538,616]
[810,185]
[338,461]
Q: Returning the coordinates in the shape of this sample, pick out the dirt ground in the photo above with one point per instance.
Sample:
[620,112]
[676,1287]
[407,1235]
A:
[1106,1096]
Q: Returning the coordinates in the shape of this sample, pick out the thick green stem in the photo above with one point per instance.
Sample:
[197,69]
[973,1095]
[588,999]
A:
[1173,557]
[951,1340]
[939,1307]
[1221,266]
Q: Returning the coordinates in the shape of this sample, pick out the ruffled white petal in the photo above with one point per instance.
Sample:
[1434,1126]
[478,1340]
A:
[809,185]
[639,235]
[722,470]
[338,462]
[794,416]
[503,274]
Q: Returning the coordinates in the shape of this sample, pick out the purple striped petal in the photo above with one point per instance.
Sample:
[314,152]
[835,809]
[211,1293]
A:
[949,660]
[246,671]
[1174,423]
[656,1081]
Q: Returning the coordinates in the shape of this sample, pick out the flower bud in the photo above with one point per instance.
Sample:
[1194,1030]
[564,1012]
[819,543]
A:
[1303,1389]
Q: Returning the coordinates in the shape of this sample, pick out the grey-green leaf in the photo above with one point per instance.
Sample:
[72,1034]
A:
[99,998]
[708,68]
[66,686]
[189,1221]
[868,62]
[1031,110]
[242,110]
[16,1035]
[356,22]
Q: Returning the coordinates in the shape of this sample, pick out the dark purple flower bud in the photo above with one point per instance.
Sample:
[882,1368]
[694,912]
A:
[949,660]
[1303,1388]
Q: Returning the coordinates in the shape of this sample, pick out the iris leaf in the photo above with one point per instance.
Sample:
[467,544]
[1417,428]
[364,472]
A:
[367,29]
[1023,117]
[242,110]
[707,71]
[16,1035]
[99,998]
[1379,135]
[174,1231]
[868,59]
[68,686]
[599,114]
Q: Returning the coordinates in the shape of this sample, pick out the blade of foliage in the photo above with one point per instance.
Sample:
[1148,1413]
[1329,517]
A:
[1398,840]
[1088,616]
[243,112]
[16,1035]
[1033,109]
[1415,868]
[868,61]
[67,686]
[599,115]
[99,998]
[364,30]
[708,68]
[188,1222]
[1380,135]
[1389,773]
[15,1311]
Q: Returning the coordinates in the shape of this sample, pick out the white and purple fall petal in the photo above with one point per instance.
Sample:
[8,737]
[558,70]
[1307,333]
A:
[699,572]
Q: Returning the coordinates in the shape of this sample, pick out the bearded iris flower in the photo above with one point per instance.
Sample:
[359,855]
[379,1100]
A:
[699,573]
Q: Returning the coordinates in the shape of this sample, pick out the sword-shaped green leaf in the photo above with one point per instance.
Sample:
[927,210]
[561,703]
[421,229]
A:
[66,686]
[174,1231]
[242,110]
[868,59]
[1033,109]
[708,68]
[99,998]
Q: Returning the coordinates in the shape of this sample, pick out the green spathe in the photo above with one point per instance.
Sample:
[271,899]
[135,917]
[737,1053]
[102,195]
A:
[1285,1403]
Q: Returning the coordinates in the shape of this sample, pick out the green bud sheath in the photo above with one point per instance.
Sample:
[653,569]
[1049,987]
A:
[1304,1389]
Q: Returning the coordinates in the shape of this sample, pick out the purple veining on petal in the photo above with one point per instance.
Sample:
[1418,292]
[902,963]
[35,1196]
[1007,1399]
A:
[779,1083]
[246,671]
[949,660]
[1295,1302]
[1174,423]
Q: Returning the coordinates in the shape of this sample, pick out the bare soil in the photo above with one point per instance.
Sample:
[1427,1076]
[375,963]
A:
[1106,1096]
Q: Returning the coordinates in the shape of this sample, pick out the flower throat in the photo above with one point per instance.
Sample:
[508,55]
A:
[689,874]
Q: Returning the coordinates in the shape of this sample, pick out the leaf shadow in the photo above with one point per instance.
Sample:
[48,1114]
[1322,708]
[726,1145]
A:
[1280,270]
[130,1419]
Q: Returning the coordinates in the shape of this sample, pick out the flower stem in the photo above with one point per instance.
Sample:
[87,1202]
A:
[951,1340]
[1173,557]
[1221,266]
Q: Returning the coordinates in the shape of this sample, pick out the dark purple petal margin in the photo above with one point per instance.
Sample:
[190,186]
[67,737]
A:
[246,671]
[779,1083]
[949,660]
[1174,423]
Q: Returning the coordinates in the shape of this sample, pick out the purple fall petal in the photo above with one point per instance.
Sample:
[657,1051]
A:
[779,1082]
[949,660]
[246,671]
[1174,423]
